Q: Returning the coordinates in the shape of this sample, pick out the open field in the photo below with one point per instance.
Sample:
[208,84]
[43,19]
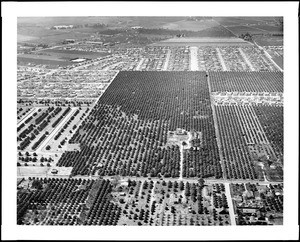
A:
[32,171]
[72,53]
[202,42]
[191,25]
[51,64]
[269,40]
[227,21]
[53,57]
[25,38]
[49,37]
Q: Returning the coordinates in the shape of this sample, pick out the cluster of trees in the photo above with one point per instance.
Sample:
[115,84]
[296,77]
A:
[54,193]
[60,117]
[124,145]
[202,162]
[246,81]
[271,119]
[238,163]
[274,202]
[103,211]
[25,138]
[220,201]
[38,142]
[45,114]
[246,36]
[68,123]
[126,131]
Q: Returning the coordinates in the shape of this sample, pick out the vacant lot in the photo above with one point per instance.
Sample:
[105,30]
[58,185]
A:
[32,171]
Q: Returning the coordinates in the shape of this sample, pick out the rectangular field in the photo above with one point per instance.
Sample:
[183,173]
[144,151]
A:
[57,201]
[203,42]
[127,130]
[252,150]
[246,81]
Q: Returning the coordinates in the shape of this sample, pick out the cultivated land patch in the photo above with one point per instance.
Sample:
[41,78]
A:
[191,25]
[126,131]
[57,201]
[203,42]
[246,81]
[251,149]
[24,38]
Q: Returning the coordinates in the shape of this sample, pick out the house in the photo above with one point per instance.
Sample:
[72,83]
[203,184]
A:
[248,210]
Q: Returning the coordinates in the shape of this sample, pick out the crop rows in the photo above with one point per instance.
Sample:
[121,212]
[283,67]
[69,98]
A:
[238,164]
[51,201]
[271,118]
[126,132]
[246,81]
[249,135]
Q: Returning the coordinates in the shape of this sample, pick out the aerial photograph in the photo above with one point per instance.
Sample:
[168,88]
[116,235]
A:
[150,121]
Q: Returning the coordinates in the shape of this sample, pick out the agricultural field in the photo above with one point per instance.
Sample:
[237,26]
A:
[56,57]
[267,40]
[204,41]
[161,203]
[191,25]
[72,54]
[248,152]
[229,21]
[62,201]
[271,118]
[256,204]
[254,26]
[126,122]
[143,122]
[246,81]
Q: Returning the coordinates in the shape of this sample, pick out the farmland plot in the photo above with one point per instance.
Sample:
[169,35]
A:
[246,81]
[247,144]
[126,132]
[159,203]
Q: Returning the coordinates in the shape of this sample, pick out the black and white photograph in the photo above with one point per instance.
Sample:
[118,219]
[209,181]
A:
[182,120]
